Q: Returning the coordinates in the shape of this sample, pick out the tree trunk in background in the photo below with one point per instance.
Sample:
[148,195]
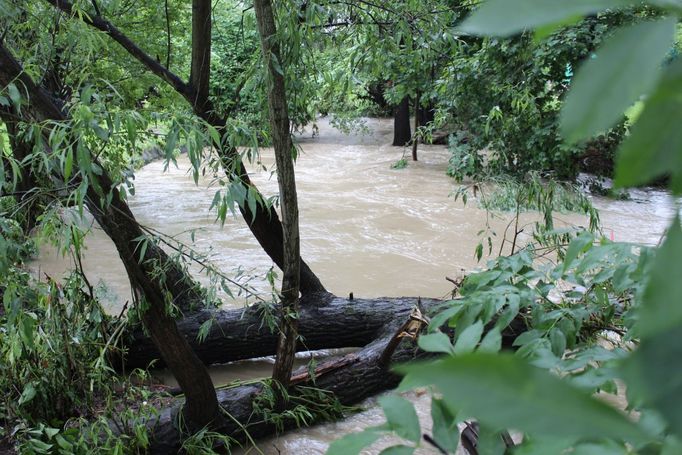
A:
[200,72]
[116,219]
[415,139]
[284,148]
[401,123]
[426,114]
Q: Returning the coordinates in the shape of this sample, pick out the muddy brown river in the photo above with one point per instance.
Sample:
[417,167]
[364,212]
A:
[365,228]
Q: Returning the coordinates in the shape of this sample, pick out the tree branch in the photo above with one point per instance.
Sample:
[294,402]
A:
[107,27]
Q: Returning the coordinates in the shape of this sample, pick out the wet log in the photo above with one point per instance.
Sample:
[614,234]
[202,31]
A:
[351,378]
[325,322]
[359,377]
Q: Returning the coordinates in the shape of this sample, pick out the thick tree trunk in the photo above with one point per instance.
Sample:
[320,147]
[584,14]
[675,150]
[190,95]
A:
[118,222]
[426,114]
[401,123]
[266,226]
[284,148]
[200,71]
[359,377]
[325,322]
[351,379]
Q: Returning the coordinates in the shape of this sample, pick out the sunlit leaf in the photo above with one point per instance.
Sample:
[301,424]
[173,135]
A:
[435,342]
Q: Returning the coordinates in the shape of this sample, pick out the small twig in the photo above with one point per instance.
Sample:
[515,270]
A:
[433,442]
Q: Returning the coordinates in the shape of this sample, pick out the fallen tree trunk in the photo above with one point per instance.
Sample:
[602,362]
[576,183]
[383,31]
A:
[325,322]
[351,379]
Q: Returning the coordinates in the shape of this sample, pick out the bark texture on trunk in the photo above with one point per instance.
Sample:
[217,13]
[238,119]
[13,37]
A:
[120,225]
[415,139]
[401,123]
[325,322]
[200,71]
[351,379]
[359,378]
[284,148]
[266,226]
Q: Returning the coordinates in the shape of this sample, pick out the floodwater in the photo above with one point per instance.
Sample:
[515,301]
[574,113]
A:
[365,228]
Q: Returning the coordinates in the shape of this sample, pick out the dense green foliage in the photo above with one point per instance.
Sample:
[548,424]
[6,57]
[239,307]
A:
[620,294]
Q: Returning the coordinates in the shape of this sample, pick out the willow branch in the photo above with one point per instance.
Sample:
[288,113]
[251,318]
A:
[133,49]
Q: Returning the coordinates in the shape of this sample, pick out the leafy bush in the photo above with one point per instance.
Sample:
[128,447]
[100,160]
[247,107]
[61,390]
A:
[506,94]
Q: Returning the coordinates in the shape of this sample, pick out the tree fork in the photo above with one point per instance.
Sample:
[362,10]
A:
[266,226]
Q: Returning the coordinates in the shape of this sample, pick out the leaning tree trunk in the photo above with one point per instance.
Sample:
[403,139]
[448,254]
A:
[401,123]
[284,148]
[264,224]
[118,222]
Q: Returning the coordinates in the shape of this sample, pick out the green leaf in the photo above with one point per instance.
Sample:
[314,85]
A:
[401,417]
[626,67]
[445,430]
[28,394]
[353,443]
[68,164]
[661,308]
[600,448]
[509,17]
[558,342]
[492,341]
[653,147]
[397,450]
[654,376]
[436,342]
[504,391]
[14,94]
[544,31]
[469,338]
[578,245]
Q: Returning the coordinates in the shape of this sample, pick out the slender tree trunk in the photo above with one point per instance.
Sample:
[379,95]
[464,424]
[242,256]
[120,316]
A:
[401,123]
[415,139]
[266,226]
[284,148]
[118,222]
